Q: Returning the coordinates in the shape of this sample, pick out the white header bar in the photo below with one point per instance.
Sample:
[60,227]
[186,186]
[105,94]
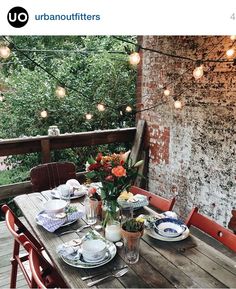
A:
[121,17]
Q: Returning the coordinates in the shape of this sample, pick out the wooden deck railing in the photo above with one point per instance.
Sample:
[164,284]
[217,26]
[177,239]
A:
[46,144]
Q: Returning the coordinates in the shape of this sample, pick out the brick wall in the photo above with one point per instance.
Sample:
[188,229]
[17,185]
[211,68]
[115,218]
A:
[192,150]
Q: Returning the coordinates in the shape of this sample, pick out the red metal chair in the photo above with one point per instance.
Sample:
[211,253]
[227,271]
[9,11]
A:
[49,176]
[43,274]
[154,200]
[213,229]
[17,229]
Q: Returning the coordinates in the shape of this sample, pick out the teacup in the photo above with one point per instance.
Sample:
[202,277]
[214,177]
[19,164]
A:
[93,250]
[53,207]
[64,191]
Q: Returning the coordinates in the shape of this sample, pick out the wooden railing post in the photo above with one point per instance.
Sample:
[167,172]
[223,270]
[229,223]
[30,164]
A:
[45,151]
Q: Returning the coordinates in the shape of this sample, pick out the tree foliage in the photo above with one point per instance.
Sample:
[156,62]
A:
[94,69]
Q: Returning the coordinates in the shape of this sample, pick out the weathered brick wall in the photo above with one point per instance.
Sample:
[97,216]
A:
[192,150]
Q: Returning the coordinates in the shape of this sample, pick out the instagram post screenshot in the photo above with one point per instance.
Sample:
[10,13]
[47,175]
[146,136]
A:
[117,144]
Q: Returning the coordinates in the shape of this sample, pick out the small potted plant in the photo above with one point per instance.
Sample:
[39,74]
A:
[133,227]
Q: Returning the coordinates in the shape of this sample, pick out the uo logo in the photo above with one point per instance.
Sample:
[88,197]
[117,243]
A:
[17,17]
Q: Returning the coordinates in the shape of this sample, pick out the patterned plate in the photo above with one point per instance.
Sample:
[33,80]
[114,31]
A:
[81,263]
[152,233]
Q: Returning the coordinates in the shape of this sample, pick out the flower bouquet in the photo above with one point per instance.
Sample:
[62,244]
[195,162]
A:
[116,173]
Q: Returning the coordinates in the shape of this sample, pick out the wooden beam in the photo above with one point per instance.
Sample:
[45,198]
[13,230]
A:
[33,144]
[45,150]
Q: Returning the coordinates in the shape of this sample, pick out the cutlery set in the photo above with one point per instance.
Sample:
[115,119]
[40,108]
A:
[74,231]
[116,275]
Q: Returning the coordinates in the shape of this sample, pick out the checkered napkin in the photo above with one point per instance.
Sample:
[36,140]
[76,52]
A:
[140,201]
[51,224]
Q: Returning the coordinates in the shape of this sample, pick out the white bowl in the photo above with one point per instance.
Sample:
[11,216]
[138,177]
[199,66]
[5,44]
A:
[169,227]
[53,207]
[93,250]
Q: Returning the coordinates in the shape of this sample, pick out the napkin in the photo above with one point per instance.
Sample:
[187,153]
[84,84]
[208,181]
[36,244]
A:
[70,250]
[51,224]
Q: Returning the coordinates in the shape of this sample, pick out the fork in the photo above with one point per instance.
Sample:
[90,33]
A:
[117,275]
[74,231]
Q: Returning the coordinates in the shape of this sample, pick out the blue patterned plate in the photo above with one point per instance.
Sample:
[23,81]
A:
[169,227]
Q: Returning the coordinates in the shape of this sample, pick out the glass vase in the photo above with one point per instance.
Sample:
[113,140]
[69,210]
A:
[110,211]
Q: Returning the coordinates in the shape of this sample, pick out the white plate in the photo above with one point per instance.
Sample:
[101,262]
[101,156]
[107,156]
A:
[155,235]
[87,265]
[55,194]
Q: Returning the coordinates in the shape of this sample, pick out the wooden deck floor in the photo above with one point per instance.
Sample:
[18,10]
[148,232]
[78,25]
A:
[6,247]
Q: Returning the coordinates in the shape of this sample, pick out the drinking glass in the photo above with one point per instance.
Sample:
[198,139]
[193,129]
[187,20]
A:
[90,205]
[131,249]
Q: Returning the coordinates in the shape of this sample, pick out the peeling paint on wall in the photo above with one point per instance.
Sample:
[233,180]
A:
[192,151]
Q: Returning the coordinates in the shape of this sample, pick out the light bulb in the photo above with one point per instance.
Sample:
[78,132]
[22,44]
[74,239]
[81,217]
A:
[198,72]
[128,108]
[134,58]
[166,92]
[5,51]
[43,113]
[60,92]
[233,37]
[230,52]
[1,97]
[88,116]
[121,112]
[177,104]
[101,107]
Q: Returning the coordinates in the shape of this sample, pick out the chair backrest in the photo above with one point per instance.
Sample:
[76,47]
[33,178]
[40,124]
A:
[212,228]
[49,176]
[232,222]
[43,274]
[17,228]
[154,200]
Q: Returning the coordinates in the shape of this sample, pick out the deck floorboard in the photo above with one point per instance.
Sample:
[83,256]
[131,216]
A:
[6,247]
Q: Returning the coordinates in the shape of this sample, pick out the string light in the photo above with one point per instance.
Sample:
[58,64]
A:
[5,52]
[60,92]
[101,107]
[198,72]
[128,108]
[134,58]
[43,114]
[230,52]
[88,116]
[166,92]
[233,37]
[178,104]
[1,98]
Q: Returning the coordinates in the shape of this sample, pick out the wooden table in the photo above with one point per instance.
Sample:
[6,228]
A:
[188,263]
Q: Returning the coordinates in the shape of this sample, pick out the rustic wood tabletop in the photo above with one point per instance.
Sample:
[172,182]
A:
[183,264]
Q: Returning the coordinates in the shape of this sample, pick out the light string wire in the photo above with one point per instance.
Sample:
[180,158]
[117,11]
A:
[12,44]
[170,54]
[219,60]
[180,75]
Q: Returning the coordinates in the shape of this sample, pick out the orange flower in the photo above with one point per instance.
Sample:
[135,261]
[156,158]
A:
[119,171]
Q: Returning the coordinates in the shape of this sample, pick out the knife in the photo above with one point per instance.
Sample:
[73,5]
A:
[103,273]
